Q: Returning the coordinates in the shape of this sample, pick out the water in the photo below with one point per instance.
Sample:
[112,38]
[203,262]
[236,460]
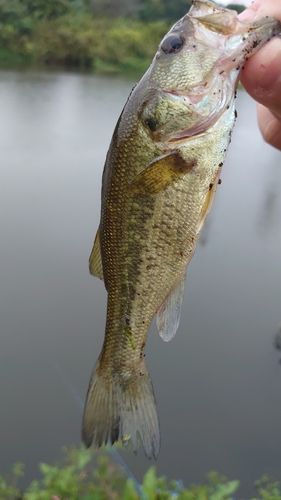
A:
[218,382]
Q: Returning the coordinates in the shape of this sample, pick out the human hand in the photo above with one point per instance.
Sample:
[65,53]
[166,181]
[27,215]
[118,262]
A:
[262,74]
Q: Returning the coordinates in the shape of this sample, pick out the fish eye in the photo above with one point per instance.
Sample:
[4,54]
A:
[172,44]
[151,123]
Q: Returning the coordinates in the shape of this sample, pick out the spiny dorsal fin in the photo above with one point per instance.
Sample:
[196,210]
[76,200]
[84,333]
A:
[95,262]
[168,316]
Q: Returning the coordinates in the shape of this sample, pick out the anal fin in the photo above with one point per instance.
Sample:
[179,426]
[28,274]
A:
[168,316]
[95,262]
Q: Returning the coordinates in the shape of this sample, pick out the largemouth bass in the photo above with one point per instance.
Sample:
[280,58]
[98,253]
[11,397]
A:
[159,182]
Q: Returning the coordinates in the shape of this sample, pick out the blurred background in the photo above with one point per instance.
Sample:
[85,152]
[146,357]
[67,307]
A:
[67,69]
[106,36]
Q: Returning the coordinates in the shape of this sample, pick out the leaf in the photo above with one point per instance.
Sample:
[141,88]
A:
[18,469]
[150,483]
[225,490]
[83,458]
[130,491]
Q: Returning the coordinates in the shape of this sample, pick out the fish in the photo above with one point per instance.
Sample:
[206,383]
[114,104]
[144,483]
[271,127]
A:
[159,181]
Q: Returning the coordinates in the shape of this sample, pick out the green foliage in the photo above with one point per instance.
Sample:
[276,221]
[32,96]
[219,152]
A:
[88,475]
[267,490]
[152,10]
[67,33]
[104,45]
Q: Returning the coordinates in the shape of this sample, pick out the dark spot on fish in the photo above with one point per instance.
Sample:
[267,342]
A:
[151,123]
[224,150]
[221,164]
[185,166]
[235,113]
[141,374]
[238,67]
[221,72]
[243,67]
[227,107]
[192,239]
[127,319]
[149,266]
[181,254]
[210,186]
[205,84]
[233,60]
[219,181]
[243,39]
[256,43]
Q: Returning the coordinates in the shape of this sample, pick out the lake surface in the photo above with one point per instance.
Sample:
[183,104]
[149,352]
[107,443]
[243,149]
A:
[218,383]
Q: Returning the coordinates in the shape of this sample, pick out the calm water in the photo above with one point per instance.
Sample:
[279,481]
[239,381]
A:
[218,383]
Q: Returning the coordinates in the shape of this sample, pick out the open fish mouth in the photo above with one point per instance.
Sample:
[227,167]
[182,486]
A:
[204,124]
[236,41]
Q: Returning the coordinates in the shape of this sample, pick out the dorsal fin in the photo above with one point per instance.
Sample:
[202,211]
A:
[168,316]
[95,262]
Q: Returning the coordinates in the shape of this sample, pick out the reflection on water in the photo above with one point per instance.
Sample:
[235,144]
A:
[217,383]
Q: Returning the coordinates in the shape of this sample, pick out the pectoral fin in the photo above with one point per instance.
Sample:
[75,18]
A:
[168,316]
[95,262]
[160,174]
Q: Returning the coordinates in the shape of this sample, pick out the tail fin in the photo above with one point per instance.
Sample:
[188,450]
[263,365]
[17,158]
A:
[119,409]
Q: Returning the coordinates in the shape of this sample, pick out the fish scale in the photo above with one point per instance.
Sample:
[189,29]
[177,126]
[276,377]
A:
[159,182]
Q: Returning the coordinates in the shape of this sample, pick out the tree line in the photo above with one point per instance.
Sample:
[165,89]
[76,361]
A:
[103,35]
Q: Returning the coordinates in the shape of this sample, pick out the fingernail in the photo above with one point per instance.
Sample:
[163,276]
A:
[247,15]
[251,13]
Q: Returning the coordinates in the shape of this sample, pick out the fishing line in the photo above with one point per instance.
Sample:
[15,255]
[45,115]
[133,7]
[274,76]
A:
[112,450]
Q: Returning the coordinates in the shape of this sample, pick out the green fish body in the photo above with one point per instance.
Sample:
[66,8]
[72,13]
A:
[159,182]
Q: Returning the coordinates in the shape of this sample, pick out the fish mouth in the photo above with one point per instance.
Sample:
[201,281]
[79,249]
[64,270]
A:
[243,41]
[203,124]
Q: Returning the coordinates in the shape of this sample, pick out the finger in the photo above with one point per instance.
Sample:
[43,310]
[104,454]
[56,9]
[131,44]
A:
[261,8]
[262,73]
[270,126]
[262,76]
